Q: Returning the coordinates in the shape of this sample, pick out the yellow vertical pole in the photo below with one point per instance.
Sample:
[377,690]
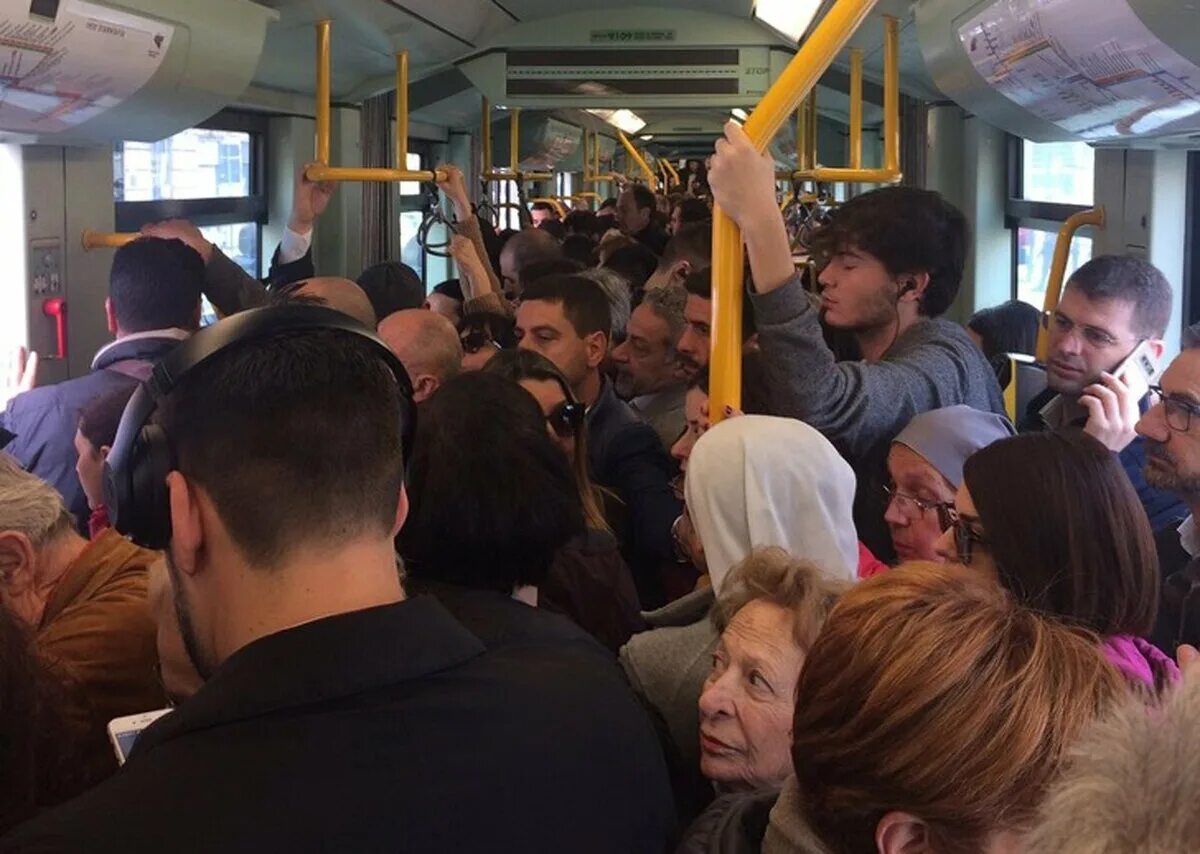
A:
[324,96]
[485,133]
[856,107]
[814,124]
[514,137]
[798,78]
[891,95]
[803,163]
[402,110]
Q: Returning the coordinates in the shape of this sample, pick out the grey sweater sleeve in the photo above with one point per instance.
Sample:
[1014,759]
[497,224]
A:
[855,404]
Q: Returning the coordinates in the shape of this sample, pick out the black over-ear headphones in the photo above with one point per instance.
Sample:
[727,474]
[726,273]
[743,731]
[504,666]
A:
[135,474]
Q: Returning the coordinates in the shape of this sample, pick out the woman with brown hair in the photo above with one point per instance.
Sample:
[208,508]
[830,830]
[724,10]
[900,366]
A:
[1053,517]
[931,714]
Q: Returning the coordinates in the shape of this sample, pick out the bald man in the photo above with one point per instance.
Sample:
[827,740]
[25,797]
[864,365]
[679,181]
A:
[427,344]
[338,293]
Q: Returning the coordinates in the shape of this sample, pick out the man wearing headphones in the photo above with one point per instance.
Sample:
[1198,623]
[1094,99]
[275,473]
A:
[265,456]
[893,261]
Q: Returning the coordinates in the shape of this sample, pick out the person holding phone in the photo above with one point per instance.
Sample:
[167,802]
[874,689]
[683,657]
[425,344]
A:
[1106,343]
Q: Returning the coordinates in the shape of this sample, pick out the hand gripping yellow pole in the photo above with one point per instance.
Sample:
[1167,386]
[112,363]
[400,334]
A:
[797,80]
[1058,268]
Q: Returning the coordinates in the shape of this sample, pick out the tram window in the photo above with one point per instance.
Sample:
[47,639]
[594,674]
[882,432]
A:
[411,188]
[1061,172]
[566,185]
[211,174]
[1035,251]
[505,193]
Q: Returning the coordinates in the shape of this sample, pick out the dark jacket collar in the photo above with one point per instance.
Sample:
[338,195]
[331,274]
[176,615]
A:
[142,346]
[324,660]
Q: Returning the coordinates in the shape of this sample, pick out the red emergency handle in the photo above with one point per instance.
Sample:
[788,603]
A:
[57,308]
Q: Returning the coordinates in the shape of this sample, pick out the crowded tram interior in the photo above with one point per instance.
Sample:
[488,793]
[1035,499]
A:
[702,426]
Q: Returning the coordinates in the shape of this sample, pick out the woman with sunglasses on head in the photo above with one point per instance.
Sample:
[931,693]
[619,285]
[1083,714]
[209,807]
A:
[588,581]
[484,334]
[1053,518]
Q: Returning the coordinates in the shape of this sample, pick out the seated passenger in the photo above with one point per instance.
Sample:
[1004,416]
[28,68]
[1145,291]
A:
[650,373]
[689,251]
[689,212]
[635,217]
[46,756]
[1171,431]
[428,346]
[287,557]
[391,287]
[925,470]
[567,319]
[447,300]
[153,304]
[1131,785]
[932,714]
[482,335]
[1109,307]
[84,603]
[1052,517]
[752,481]
[1011,327]
[588,581]
[98,422]
[894,264]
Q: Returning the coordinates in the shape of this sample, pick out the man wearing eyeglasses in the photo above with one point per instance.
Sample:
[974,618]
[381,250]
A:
[1170,430]
[1113,307]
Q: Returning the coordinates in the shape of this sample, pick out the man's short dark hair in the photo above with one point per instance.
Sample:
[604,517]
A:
[1132,280]
[910,231]
[544,206]
[100,416]
[692,243]
[610,202]
[699,284]
[693,211]
[484,438]
[156,284]
[451,288]
[635,263]
[391,287]
[532,245]
[1011,327]
[296,439]
[581,222]
[560,266]
[580,248]
[583,302]
[643,196]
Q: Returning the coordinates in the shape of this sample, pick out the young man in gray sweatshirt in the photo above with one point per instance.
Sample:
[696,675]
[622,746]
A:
[894,264]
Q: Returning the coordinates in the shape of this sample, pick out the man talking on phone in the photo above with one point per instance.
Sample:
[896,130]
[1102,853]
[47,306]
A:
[1104,334]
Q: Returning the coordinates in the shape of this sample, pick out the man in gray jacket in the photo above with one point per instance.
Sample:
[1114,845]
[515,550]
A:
[894,261]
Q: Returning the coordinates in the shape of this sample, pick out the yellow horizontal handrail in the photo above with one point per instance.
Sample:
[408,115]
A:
[321,170]
[106,239]
[1058,267]
[890,172]
[797,80]
[636,156]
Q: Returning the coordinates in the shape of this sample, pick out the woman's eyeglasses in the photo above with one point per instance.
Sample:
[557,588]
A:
[914,507]
[566,419]
[966,537]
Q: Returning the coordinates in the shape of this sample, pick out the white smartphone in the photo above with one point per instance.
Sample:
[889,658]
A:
[1140,370]
[123,732]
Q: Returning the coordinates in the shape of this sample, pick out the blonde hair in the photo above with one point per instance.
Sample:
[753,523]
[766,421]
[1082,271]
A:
[772,575]
[31,506]
[930,691]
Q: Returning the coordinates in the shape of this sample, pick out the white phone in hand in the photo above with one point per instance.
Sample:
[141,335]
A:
[1140,370]
[123,732]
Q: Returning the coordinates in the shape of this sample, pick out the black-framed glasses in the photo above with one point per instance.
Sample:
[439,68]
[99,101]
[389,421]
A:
[566,419]
[1179,412]
[1056,321]
[966,537]
[914,507]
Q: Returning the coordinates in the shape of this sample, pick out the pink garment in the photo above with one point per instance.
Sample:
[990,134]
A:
[98,522]
[868,564]
[1139,661]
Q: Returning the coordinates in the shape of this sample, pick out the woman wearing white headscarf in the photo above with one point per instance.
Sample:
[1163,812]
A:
[751,481]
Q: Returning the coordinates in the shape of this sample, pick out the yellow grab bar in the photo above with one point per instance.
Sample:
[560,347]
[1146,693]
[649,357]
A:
[512,173]
[890,173]
[636,156]
[797,80]
[321,170]
[554,203]
[106,239]
[670,167]
[594,176]
[1058,268]
[856,107]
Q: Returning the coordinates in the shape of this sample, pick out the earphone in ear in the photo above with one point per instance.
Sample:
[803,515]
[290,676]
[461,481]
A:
[909,285]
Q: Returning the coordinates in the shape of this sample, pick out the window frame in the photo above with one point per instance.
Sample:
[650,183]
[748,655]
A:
[131,216]
[1020,212]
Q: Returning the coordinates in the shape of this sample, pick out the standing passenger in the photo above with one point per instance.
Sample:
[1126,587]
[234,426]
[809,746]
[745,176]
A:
[894,262]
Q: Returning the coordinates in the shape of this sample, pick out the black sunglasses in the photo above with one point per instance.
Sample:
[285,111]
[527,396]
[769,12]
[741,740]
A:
[476,340]
[566,419]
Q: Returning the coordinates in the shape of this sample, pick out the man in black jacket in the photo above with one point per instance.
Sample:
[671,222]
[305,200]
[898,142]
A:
[337,714]
[567,320]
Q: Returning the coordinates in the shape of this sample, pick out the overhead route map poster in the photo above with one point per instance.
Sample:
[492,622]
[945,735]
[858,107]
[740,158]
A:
[1092,68]
[58,72]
